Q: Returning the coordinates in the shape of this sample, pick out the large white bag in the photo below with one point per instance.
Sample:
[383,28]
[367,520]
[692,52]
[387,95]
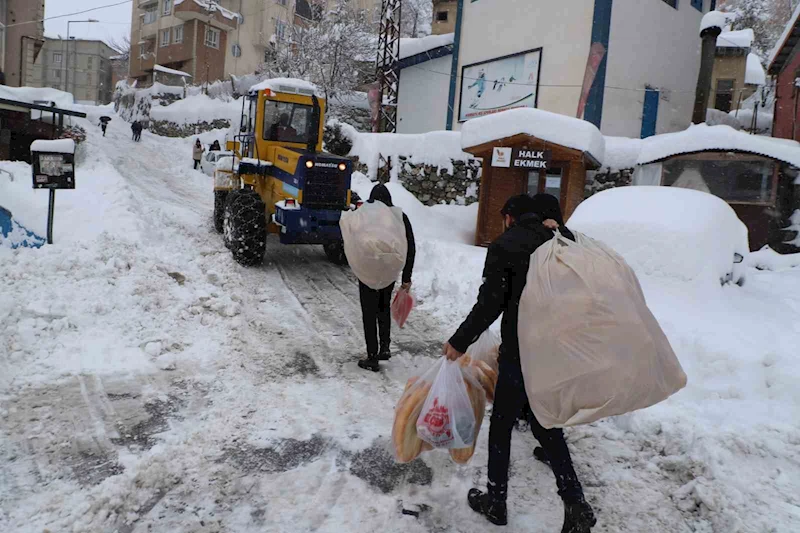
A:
[589,346]
[375,243]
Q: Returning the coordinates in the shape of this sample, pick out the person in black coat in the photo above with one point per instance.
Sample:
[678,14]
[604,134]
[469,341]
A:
[529,223]
[376,304]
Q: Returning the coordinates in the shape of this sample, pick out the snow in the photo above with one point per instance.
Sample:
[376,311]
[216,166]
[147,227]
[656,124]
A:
[754,75]
[701,137]
[779,44]
[437,148]
[286,85]
[669,232]
[30,95]
[621,153]
[59,146]
[769,259]
[744,119]
[198,108]
[165,70]
[150,383]
[736,39]
[713,19]
[213,6]
[256,162]
[413,46]
[557,129]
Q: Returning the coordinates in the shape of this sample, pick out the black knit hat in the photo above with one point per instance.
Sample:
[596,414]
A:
[518,205]
[547,206]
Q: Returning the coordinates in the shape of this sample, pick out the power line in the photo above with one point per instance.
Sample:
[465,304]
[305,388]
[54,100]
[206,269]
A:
[70,14]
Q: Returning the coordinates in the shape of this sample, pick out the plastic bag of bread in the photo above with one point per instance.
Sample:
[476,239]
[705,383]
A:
[486,349]
[407,444]
[478,400]
[447,419]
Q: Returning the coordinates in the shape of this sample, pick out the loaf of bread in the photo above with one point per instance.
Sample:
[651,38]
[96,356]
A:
[478,400]
[407,444]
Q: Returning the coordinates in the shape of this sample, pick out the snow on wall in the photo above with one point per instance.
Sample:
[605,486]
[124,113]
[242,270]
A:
[200,108]
[754,74]
[413,46]
[666,231]
[551,127]
[621,153]
[424,91]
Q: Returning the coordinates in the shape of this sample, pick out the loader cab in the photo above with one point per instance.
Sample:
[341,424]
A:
[285,117]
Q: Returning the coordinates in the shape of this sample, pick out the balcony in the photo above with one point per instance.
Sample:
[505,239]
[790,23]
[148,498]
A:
[144,3]
[208,11]
[148,31]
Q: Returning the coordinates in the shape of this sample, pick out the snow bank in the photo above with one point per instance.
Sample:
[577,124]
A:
[413,46]
[744,119]
[769,259]
[754,75]
[701,137]
[736,39]
[437,148]
[28,206]
[713,19]
[60,146]
[198,108]
[551,127]
[286,85]
[666,231]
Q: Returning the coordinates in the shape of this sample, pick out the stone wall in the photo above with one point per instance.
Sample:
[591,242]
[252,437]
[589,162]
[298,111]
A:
[171,129]
[433,185]
[606,179]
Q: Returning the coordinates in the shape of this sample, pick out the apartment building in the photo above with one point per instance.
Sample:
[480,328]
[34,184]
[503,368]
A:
[21,39]
[444,16]
[81,67]
[185,35]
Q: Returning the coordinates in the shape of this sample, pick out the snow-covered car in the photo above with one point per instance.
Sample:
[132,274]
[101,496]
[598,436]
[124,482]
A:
[668,232]
[209,162]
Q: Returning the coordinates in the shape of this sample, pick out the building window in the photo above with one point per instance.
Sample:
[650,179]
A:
[698,5]
[89,62]
[89,79]
[280,2]
[57,57]
[673,3]
[150,15]
[236,50]
[212,38]
[734,180]
[723,98]
[142,49]
[441,16]
[57,74]
[280,30]
[178,34]
[167,8]
[165,35]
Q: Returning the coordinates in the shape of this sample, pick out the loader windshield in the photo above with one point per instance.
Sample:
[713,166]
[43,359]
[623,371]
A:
[287,122]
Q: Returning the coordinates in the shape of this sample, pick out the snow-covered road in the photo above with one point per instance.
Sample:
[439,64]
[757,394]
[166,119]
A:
[149,383]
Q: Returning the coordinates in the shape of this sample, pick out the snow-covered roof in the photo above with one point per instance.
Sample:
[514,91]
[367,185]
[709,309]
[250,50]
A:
[34,94]
[713,19]
[413,46]
[736,39]
[779,44]
[754,75]
[165,70]
[702,138]
[621,153]
[59,146]
[286,85]
[551,127]
[212,6]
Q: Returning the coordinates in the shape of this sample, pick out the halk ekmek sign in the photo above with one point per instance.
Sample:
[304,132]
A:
[521,158]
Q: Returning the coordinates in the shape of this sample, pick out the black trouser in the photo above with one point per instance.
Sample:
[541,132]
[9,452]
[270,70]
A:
[509,400]
[103,127]
[376,310]
[196,163]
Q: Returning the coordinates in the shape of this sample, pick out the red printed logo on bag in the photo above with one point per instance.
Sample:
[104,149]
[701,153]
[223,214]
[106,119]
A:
[437,422]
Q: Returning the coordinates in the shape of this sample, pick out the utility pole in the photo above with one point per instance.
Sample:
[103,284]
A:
[388,73]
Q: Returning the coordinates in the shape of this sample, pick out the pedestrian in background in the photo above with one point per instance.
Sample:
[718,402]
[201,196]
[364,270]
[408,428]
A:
[197,153]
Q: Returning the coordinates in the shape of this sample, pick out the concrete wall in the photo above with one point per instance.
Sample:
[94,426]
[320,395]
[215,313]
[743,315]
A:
[651,43]
[20,50]
[563,30]
[448,26]
[88,71]
[423,96]
[254,34]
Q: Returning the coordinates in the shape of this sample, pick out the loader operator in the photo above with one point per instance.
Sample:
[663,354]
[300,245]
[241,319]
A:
[282,130]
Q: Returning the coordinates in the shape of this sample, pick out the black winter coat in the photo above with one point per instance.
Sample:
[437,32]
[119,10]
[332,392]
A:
[504,278]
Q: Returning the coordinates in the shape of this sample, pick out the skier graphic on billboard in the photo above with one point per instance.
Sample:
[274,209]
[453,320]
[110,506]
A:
[513,81]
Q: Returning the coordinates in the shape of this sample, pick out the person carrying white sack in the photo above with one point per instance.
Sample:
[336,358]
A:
[504,278]
[376,303]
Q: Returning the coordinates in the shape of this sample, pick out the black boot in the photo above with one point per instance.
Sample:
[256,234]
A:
[541,455]
[578,517]
[384,354]
[494,510]
[369,363]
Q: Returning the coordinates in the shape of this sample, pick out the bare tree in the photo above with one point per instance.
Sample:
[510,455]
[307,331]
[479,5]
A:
[122,45]
[767,18]
[336,51]
[416,18]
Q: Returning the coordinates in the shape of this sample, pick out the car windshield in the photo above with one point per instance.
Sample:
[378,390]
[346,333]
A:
[287,122]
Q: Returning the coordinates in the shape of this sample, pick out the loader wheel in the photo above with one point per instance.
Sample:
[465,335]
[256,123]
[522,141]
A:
[335,253]
[219,209]
[245,227]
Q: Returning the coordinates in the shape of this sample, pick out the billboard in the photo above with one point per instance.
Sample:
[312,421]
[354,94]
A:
[499,84]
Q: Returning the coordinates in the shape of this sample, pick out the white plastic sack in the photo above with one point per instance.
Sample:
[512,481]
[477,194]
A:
[447,419]
[375,243]
[589,346]
[486,349]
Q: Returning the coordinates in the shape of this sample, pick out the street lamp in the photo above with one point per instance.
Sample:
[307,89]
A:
[66,67]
